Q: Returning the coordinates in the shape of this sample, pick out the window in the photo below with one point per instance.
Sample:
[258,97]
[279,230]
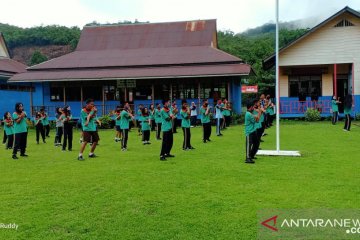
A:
[20,88]
[56,94]
[305,86]
[93,92]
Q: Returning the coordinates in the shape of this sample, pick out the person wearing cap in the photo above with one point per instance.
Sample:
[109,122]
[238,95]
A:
[251,143]
[166,128]
[20,130]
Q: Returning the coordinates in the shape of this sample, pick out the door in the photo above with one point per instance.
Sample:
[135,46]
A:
[342,89]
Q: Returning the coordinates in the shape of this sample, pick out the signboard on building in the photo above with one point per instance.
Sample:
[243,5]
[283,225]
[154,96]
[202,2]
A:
[123,83]
[249,89]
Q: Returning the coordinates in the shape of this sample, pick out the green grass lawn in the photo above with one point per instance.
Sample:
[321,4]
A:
[207,193]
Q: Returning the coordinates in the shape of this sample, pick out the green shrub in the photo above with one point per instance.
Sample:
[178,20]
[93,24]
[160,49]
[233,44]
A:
[312,115]
[237,118]
[106,122]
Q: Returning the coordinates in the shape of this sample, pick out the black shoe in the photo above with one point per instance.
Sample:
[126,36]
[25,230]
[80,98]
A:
[208,140]
[14,157]
[23,155]
[162,158]
[169,155]
[204,141]
[219,135]
[92,155]
[254,158]
[191,148]
[249,161]
[80,158]
[261,140]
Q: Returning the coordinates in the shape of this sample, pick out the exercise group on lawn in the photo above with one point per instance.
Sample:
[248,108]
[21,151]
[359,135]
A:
[259,116]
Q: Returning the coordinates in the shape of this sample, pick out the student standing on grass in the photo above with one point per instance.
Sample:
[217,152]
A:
[174,110]
[90,134]
[158,120]
[205,121]
[125,118]
[251,144]
[227,114]
[20,130]
[59,126]
[39,127]
[259,125]
[45,122]
[117,124]
[166,127]
[193,114]
[145,125]
[152,117]
[335,109]
[139,111]
[9,130]
[347,111]
[66,118]
[185,124]
[219,116]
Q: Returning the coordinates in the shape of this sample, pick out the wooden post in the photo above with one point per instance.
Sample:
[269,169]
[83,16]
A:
[31,99]
[81,95]
[229,91]
[153,94]
[199,95]
[64,92]
[335,80]
[103,100]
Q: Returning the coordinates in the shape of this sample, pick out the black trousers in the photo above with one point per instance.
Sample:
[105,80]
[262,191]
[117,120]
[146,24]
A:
[125,134]
[335,117]
[10,141]
[40,130]
[252,145]
[193,120]
[187,137]
[47,130]
[146,135]
[167,143]
[158,130]
[20,142]
[68,136]
[347,122]
[206,131]
[59,133]
[227,120]
[259,133]
[174,125]
[5,137]
[153,124]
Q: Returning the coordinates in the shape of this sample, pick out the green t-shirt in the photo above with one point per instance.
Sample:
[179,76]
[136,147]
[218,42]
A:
[226,112]
[91,127]
[45,120]
[144,123]
[158,116]
[249,123]
[20,127]
[9,130]
[151,114]
[334,106]
[166,120]
[185,119]
[124,120]
[257,124]
[204,118]
[117,119]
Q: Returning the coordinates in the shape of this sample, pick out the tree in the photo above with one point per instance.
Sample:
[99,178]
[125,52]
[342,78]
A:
[37,58]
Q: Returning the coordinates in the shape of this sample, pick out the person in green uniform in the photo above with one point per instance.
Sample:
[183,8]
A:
[125,118]
[205,112]
[166,128]
[185,115]
[158,120]
[174,110]
[20,130]
[9,130]
[259,125]
[45,122]
[152,117]
[348,102]
[88,114]
[250,133]
[227,113]
[39,126]
[145,125]
[335,109]
[138,115]
[66,118]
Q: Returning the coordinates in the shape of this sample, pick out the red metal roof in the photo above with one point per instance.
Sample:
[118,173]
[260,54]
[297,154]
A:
[11,67]
[134,73]
[141,51]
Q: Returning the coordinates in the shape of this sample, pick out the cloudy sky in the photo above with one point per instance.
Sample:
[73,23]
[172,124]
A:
[234,15]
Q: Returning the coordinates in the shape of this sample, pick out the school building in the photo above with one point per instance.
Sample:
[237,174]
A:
[138,63]
[9,93]
[323,62]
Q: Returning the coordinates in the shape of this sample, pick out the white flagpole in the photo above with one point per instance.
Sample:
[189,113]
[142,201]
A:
[277,92]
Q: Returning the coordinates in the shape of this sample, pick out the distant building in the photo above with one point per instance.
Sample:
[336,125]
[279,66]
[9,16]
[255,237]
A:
[323,62]
[11,93]
[141,64]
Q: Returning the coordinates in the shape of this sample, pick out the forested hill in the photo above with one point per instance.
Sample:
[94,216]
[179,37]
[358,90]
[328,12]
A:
[37,44]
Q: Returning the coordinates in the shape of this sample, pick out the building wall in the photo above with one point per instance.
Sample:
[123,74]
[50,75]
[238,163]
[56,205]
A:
[328,45]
